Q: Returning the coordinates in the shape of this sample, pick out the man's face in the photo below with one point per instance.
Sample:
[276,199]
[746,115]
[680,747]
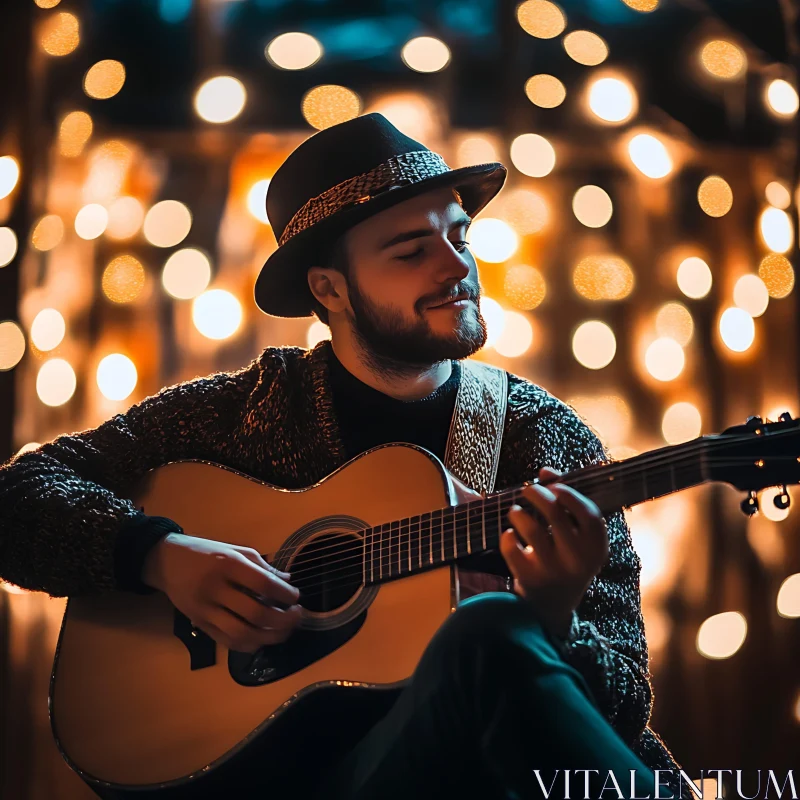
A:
[405,263]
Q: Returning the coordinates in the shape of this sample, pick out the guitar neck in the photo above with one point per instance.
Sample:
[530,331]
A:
[443,536]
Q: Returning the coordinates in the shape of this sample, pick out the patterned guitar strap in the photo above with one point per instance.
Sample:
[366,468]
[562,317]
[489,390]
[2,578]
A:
[473,448]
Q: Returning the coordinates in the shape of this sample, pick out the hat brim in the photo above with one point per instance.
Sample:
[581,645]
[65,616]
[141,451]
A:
[281,288]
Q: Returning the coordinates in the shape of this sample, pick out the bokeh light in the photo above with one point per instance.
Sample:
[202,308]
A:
[125,218]
[220,99]
[782,98]
[722,635]
[492,240]
[293,50]
[524,287]
[737,329]
[495,318]
[776,229]
[48,232]
[603,277]
[525,210]
[8,246]
[674,320]
[9,175]
[715,196]
[533,155]
[186,274]
[541,18]
[91,221]
[681,423]
[545,91]
[778,275]
[644,6]
[330,104]
[55,382]
[516,337]
[723,59]
[750,293]
[592,206]
[768,507]
[413,113]
[47,3]
[123,279]
[60,34]
[664,359]
[426,54]
[788,601]
[612,100]
[608,414]
[116,376]
[167,223]
[257,200]
[12,345]
[694,277]
[475,150]
[104,79]
[778,195]
[73,133]
[217,314]
[593,344]
[48,329]
[650,156]
[317,332]
[586,48]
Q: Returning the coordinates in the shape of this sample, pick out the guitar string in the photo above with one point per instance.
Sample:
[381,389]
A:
[356,554]
[510,495]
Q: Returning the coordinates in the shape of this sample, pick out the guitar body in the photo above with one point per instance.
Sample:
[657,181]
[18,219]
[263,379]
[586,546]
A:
[142,705]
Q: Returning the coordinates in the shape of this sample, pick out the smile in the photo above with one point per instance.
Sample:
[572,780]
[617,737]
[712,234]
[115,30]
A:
[462,302]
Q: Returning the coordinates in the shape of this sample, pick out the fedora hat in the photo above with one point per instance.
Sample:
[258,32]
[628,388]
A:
[339,177]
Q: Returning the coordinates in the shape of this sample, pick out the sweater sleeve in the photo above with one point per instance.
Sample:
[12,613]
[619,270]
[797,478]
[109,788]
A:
[63,506]
[606,641]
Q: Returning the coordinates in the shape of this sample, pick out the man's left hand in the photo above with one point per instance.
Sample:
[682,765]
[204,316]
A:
[555,567]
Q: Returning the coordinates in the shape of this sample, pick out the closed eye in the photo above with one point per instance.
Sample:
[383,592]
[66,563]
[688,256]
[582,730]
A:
[460,247]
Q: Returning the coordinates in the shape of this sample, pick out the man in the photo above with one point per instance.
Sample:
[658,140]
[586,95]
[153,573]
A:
[372,230]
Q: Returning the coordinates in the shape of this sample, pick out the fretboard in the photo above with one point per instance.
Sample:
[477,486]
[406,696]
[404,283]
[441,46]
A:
[414,544]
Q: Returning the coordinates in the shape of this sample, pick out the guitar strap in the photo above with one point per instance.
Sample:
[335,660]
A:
[476,430]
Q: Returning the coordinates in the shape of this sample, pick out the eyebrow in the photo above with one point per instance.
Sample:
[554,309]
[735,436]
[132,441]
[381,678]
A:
[418,233]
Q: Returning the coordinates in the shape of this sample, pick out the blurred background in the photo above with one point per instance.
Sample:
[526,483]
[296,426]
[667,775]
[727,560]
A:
[640,264]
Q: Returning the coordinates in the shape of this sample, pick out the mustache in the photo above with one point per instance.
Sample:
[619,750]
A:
[465,288]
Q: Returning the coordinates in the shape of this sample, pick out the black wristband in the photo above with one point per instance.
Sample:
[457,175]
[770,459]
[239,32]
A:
[134,541]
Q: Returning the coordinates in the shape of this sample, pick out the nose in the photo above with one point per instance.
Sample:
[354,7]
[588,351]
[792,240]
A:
[453,266]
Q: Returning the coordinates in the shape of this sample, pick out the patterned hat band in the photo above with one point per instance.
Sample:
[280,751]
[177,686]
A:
[401,170]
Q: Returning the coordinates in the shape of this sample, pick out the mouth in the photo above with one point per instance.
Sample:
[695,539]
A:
[457,302]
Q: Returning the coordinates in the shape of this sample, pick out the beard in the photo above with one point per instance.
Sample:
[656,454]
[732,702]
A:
[397,345]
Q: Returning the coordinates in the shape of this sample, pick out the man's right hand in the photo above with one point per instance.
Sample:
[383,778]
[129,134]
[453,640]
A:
[216,584]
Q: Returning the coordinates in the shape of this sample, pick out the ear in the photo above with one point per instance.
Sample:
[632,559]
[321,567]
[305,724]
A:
[329,286]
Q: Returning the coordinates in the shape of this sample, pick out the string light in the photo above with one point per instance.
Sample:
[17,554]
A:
[217,314]
[475,150]
[524,287]
[494,317]
[220,99]
[664,359]
[91,221]
[167,223]
[675,321]
[609,414]
[525,210]
[682,422]
[73,133]
[55,382]
[586,48]
[533,155]
[426,54]
[694,277]
[782,98]
[778,195]
[715,196]
[737,329]
[594,344]
[541,18]
[123,279]
[592,206]
[125,218]
[603,277]
[493,240]
[776,229]
[723,59]
[545,91]
[612,100]
[330,104]
[317,332]
[294,50]
[516,337]
[60,34]
[644,6]
[48,232]
[186,274]
[12,345]
[788,601]
[104,79]
[721,635]
[650,156]
[750,293]
[257,200]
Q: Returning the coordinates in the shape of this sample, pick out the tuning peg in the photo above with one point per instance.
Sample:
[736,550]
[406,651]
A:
[753,423]
[782,500]
[785,417]
[750,504]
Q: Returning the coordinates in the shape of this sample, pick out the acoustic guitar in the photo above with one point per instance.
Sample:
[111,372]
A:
[143,704]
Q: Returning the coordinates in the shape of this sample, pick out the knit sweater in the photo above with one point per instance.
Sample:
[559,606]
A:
[64,505]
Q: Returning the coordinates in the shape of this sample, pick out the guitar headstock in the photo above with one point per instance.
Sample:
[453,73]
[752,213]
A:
[756,455]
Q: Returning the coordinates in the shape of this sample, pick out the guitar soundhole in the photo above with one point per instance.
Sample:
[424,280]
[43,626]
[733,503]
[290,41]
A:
[328,571]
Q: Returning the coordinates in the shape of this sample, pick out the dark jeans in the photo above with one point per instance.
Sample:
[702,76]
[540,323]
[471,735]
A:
[490,702]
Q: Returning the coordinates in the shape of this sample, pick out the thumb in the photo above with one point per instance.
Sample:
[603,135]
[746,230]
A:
[254,556]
